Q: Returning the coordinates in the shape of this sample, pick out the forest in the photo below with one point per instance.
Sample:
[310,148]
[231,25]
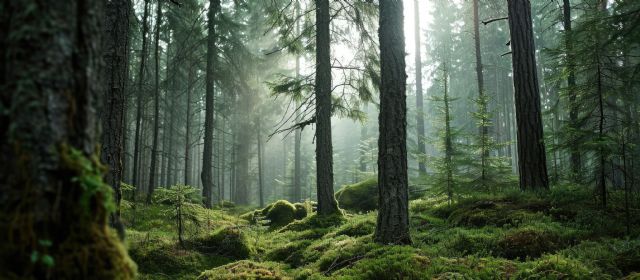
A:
[319,139]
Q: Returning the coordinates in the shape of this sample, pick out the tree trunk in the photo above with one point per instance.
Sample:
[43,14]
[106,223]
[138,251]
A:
[260,171]
[207,157]
[571,88]
[324,150]
[422,168]
[484,130]
[393,198]
[156,110]
[137,141]
[187,140]
[116,57]
[52,197]
[532,162]
[297,188]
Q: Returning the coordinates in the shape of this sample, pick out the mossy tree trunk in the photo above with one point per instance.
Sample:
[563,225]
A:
[532,159]
[327,204]
[393,215]
[116,57]
[54,206]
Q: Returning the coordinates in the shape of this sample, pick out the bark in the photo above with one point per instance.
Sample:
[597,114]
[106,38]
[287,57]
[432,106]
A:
[532,162]
[206,176]
[116,57]
[187,140]
[52,80]
[156,110]
[139,107]
[484,130]
[575,157]
[422,168]
[393,214]
[327,204]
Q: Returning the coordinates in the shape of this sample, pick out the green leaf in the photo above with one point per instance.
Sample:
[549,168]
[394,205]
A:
[48,260]
[34,256]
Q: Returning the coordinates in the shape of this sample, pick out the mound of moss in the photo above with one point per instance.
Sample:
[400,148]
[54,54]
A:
[557,267]
[278,214]
[359,197]
[520,244]
[229,242]
[387,262]
[245,270]
[315,222]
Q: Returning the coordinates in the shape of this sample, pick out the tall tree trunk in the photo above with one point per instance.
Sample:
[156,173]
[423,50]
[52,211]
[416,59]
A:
[52,197]
[207,157]
[260,171]
[187,140]
[364,137]
[140,97]
[484,130]
[532,159]
[422,168]
[448,141]
[324,150]
[393,197]
[297,188]
[116,50]
[156,110]
[575,157]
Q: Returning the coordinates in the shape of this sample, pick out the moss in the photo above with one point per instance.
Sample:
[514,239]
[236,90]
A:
[245,270]
[291,253]
[302,210]
[315,222]
[343,253]
[521,244]
[359,197]
[465,242]
[356,227]
[388,262]
[280,214]
[557,267]
[229,242]
[632,276]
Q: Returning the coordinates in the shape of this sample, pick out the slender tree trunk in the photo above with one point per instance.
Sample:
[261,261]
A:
[139,107]
[484,130]
[419,100]
[260,171]
[51,80]
[297,188]
[532,159]
[156,110]
[448,142]
[393,215]
[571,88]
[324,150]
[207,157]
[116,50]
[187,141]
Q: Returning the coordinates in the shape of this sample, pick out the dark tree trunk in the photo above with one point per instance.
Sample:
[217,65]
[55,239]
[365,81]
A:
[393,214]
[484,130]
[422,168]
[51,80]
[140,96]
[187,140]
[575,157]
[156,110]
[532,159]
[207,156]
[324,150]
[116,57]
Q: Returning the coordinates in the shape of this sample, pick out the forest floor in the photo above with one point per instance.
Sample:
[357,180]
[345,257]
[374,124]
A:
[563,234]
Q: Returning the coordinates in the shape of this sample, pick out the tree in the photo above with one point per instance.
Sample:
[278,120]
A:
[116,56]
[575,160]
[324,151]
[207,157]
[54,206]
[483,129]
[419,101]
[392,226]
[156,104]
[532,161]
[140,96]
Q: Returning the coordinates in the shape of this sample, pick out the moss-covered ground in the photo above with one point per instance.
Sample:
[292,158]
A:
[562,234]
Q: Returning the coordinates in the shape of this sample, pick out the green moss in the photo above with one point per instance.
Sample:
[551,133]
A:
[388,262]
[357,226]
[302,210]
[520,244]
[291,253]
[359,197]
[557,267]
[229,242]
[315,222]
[280,213]
[245,270]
